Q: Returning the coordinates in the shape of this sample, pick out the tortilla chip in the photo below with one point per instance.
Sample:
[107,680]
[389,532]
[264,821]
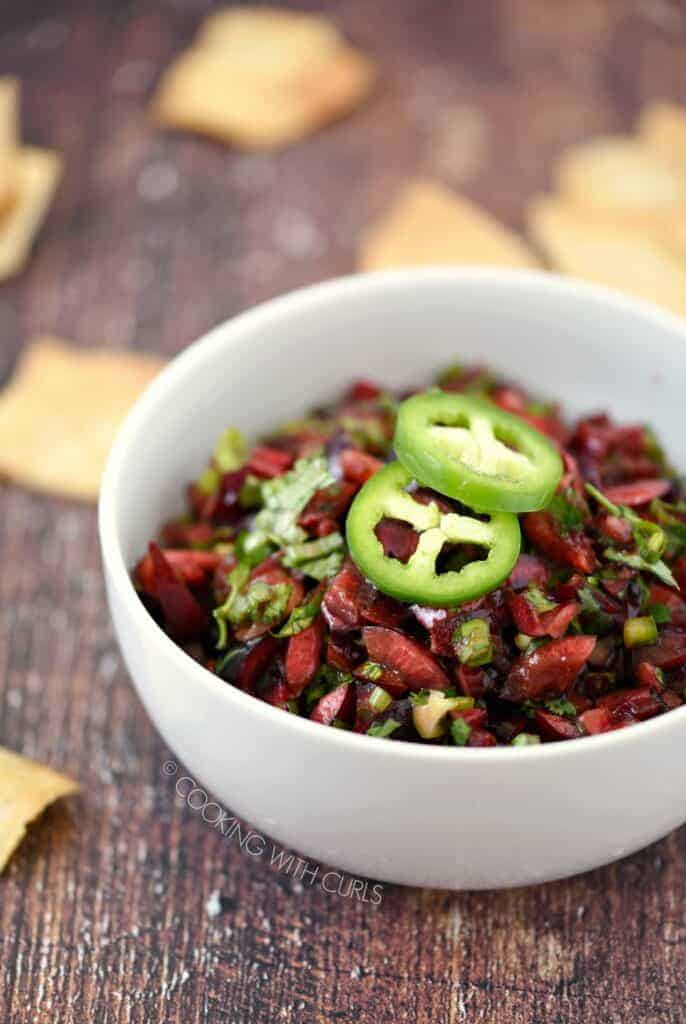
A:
[675,237]
[662,129]
[612,255]
[269,40]
[39,172]
[8,183]
[202,92]
[61,411]
[669,232]
[262,77]
[428,224]
[9,139]
[26,789]
[9,112]
[616,176]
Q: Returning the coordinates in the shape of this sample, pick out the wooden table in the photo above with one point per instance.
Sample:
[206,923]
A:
[107,912]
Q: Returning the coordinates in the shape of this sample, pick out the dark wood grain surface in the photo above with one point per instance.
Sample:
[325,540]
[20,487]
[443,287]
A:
[123,905]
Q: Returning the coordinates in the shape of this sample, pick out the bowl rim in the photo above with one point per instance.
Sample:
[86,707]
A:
[225,334]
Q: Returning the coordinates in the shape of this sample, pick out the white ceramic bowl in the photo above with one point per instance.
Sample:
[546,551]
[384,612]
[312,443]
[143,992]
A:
[398,812]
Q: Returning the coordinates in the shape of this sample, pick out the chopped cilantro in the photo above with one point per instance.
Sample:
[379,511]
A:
[333,677]
[314,692]
[319,559]
[561,706]
[388,403]
[222,663]
[654,449]
[367,432]
[639,590]
[529,708]
[566,511]
[609,506]
[310,425]
[251,548]
[450,373]
[588,600]
[541,408]
[250,495]
[326,679]
[285,497]
[250,601]
[323,568]
[419,697]
[480,384]
[667,516]
[650,539]
[660,613]
[301,617]
[460,732]
[237,579]
[596,619]
[383,729]
[265,602]
[658,568]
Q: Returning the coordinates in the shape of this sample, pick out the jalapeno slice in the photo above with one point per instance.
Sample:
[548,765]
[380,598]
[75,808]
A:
[473,451]
[417,580]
